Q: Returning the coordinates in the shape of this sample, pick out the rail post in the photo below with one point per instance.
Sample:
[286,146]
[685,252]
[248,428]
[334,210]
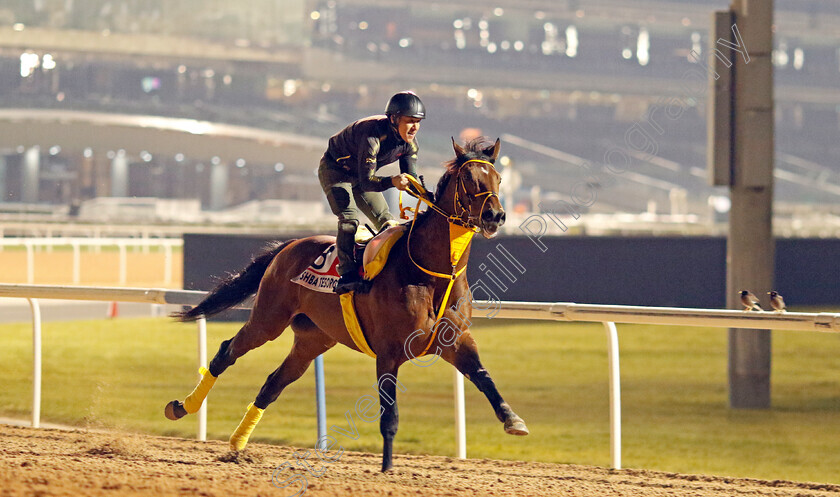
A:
[36,362]
[77,263]
[460,416]
[615,395]
[30,262]
[123,263]
[320,402]
[202,362]
[167,264]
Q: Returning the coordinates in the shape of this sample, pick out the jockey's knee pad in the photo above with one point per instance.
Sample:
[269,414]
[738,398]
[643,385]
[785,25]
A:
[348,226]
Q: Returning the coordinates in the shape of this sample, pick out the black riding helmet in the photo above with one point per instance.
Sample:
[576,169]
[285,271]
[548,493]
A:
[405,103]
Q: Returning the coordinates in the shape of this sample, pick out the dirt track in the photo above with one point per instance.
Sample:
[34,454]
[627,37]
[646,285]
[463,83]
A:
[79,463]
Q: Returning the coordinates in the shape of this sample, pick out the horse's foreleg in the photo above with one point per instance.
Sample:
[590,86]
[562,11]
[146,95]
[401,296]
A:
[464,356]
[307,346]
[386,374]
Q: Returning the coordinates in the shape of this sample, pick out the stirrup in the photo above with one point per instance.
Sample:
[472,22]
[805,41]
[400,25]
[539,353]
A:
[346,282]
[358,285]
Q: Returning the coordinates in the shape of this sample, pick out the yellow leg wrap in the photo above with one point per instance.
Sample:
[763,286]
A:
[240,437]
[194,400]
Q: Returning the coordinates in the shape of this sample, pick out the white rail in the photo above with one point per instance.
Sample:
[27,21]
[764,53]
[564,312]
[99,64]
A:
[562,311]
[76,244]
[609,315]
[109,294]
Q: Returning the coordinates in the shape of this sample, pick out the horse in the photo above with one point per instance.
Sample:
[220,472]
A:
[402,314]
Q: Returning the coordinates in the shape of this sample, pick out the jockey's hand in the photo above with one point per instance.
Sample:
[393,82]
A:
[400,181]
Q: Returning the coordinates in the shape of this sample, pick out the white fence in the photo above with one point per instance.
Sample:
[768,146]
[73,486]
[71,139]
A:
[609,315]
[122,244]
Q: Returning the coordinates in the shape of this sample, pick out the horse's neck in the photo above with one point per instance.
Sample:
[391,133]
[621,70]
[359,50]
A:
[430,243]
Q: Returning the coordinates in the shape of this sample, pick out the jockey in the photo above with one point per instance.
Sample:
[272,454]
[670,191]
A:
[347,174]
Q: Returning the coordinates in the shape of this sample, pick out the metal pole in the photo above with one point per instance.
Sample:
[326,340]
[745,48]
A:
[119,175]
[320,400]
[460,416]
[167,264]
[3,197]
[36,362]
[615,395]
[30,174]
[750,244]
[30,263]
[219,176]
[202,361]
[77,263]
[123,264]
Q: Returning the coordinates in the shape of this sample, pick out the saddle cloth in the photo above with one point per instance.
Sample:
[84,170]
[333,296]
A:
[322,274]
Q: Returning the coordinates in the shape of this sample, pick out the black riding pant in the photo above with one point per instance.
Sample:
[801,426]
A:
[346,199]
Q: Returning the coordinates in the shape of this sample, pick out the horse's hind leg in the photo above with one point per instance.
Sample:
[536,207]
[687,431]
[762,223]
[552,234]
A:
[310,342]
[259,329]
[464,356]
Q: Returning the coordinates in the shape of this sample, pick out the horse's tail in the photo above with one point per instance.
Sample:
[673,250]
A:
[235,288]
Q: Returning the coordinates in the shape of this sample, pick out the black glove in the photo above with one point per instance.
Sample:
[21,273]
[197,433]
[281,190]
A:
[428,195]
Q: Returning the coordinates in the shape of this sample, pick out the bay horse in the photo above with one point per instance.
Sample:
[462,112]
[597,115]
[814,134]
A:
[400,315]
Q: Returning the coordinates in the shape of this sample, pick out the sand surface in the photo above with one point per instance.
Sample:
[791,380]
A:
[49,462]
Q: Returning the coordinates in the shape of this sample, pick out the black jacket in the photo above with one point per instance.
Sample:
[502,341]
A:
[368,144]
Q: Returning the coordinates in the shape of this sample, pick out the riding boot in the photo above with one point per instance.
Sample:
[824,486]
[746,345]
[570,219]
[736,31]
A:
[348,268]
[349,282]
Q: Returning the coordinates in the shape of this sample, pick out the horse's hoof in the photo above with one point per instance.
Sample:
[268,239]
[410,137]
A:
[515,426]
[174,410]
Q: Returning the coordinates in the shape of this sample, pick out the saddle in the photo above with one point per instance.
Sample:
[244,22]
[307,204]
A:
[375,253]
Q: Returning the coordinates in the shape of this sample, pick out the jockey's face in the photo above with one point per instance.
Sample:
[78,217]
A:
[408,127]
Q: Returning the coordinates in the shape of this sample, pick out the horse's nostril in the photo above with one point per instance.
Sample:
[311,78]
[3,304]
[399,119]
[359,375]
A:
[493,216]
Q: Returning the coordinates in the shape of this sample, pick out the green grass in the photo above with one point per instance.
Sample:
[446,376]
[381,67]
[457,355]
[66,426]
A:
[674,394]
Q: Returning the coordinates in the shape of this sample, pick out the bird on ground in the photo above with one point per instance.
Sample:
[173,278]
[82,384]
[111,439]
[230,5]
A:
[750,301]
[776,301]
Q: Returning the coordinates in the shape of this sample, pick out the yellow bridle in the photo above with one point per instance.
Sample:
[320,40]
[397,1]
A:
[460,234]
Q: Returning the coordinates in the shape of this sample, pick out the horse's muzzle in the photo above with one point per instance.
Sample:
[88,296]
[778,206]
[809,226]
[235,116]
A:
[491,220]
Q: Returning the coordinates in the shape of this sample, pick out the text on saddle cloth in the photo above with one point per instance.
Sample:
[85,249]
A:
[322,274]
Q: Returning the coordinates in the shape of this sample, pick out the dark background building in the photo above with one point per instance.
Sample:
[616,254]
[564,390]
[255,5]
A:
[562,83]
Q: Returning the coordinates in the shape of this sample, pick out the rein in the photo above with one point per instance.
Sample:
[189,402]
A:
[461,232]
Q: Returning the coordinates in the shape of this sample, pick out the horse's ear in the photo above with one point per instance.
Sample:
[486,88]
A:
[459,150]
[493,151]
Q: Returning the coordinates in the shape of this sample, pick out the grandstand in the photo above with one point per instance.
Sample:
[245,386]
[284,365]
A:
[564,82]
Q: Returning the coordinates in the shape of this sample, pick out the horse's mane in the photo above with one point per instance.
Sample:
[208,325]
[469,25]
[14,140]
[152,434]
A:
[474,150]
